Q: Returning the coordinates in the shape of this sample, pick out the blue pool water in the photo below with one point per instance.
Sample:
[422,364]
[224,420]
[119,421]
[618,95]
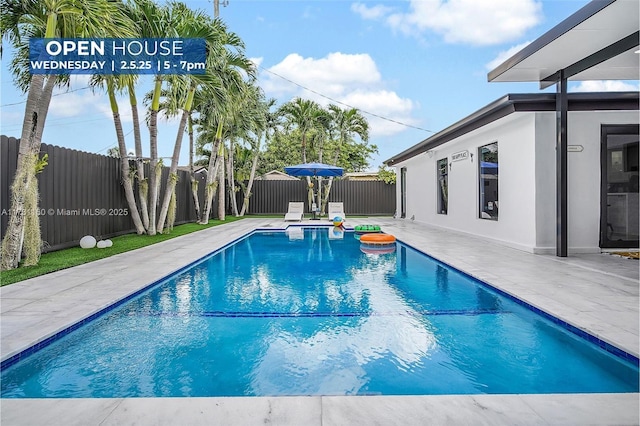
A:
[308,313]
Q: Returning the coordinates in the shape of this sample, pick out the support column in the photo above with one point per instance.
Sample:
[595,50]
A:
[562,105]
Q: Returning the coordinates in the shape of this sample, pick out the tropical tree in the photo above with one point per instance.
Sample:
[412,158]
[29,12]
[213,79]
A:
[192,175]
[220,43]
[20,21]
[142,12]
[265,125]
[386,175]
[114,83]
[347,123]
[303,115]
[230,68]
[247,121]
[154,21]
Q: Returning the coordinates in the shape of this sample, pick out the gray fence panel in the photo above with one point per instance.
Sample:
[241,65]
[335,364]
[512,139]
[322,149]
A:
[359,197]
[81,194]
[364,197]
[273,196]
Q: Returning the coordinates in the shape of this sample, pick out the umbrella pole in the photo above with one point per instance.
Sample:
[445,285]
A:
[314,206]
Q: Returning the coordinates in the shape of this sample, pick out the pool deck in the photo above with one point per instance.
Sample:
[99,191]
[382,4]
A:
[598,293]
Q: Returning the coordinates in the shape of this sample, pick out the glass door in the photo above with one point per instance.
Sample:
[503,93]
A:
[619,221]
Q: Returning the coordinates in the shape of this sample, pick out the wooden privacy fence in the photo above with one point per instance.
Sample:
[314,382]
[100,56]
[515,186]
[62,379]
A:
[81,194]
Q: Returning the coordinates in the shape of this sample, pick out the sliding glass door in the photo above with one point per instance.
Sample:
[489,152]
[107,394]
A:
[619,222]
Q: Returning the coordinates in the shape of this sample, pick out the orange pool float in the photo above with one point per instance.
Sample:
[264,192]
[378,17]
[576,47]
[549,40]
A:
[382,239]
[377,249]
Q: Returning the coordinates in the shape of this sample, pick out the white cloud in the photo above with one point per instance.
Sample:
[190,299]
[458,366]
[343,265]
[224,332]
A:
[351,79]
[373,13]
[329,75]
[386,104]
[605,86]
[77,100]
[73,104]
[124,109]
[506,54]
[257,61]
[462,21]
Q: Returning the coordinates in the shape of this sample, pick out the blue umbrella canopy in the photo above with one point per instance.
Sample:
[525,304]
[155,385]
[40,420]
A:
[313,169]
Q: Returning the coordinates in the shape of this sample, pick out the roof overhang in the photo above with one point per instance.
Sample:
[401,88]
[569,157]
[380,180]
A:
[598,42]
[532,102]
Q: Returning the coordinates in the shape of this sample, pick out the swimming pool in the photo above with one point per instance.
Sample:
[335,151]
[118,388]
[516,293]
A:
[307,313]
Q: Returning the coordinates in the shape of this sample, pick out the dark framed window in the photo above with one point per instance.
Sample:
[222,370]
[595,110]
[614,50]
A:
[488,174]
[443,186]
[403,192]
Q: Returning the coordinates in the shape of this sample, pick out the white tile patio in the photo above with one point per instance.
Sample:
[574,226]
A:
[597,293]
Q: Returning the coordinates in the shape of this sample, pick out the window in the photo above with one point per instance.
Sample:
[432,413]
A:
[488,171]
[443,186]
[403,192]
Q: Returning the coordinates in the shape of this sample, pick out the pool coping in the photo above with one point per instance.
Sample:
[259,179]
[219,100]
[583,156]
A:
[226,234]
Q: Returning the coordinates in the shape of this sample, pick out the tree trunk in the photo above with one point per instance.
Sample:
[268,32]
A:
[25,175]
[124,161]
[325,198]
[32,240]
[221,186]
[175,158]
[194,181]
[22,193]
[143,184]
[252,175]
[153,146]
[212,181]
[232,184]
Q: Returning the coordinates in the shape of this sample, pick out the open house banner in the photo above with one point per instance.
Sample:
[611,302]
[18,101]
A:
[110,56]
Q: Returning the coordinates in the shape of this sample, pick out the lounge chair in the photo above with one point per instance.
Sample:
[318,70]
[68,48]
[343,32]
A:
[296,211]
[336,209]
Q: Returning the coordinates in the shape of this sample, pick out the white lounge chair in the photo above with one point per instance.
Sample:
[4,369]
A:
[296,211]
[335,209]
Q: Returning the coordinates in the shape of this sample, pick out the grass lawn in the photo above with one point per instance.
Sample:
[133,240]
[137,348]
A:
[62,259]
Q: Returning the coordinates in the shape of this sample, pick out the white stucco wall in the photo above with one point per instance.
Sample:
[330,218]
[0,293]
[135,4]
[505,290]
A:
[545,186]
[583,169]
[516,149]
[527,181]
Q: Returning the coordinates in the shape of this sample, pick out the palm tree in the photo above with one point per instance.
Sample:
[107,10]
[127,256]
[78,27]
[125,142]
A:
[139,11]
[153,22]
[220,44]
[302,114]
[192,177]
[113,83]
[323,131]
[347,123]
[20,21]
[247,120]
[264,127]
[229,68]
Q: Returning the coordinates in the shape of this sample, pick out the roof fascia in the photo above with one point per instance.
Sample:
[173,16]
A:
[537,102]
[611,51]
[563,27]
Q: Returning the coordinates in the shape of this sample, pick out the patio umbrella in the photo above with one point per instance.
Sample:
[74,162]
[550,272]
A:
[315,170]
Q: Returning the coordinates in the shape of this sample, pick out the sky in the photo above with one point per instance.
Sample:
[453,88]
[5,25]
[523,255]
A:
[412,67]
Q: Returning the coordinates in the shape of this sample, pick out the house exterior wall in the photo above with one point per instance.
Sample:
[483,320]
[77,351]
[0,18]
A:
[584,177]
[526,183]
[545,185]
[516,222]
